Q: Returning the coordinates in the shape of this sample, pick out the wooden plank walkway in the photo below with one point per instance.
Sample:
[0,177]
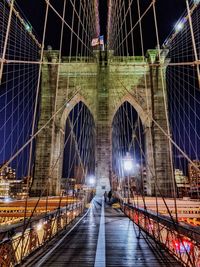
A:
[109,240]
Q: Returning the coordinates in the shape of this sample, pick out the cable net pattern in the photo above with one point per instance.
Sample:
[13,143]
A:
[24,60]
[183,92]
[128,26]
[67,28]
[18,47]
[22,54]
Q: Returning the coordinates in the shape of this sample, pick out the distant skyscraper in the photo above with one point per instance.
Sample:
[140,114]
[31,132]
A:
[194,176]
[182,183]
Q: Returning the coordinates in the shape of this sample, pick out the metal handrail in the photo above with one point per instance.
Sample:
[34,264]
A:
[40,230]
[182,242]
[183,229]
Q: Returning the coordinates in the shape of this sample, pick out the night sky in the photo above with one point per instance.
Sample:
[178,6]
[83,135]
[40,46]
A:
[168,13]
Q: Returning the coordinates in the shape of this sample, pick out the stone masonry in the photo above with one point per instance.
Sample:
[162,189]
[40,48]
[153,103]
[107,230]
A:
[103,85]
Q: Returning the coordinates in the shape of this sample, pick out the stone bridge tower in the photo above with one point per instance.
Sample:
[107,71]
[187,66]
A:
[103,85]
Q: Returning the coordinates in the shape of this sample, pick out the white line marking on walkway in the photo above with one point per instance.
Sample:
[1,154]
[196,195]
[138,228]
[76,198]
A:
[100,259]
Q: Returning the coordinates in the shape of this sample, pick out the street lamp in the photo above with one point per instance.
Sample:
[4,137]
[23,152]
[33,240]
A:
[128,167]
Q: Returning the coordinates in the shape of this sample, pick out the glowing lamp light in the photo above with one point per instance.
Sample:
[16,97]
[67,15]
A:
[91,180]
[151,226]
[128,163]
[179,26]
[39,226]
[183,246]
[28,27]
[7,200]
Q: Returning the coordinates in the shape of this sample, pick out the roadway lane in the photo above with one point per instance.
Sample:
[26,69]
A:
[109,240]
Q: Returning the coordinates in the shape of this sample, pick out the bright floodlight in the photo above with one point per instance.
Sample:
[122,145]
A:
[91,180]
[127,162]
[7,199]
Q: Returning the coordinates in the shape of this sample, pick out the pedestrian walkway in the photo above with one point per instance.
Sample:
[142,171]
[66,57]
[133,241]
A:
[105,237]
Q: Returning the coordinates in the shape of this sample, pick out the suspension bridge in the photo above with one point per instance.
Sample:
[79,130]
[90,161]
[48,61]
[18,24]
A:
[99,133]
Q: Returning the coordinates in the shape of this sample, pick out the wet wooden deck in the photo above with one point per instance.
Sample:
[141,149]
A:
[105,237]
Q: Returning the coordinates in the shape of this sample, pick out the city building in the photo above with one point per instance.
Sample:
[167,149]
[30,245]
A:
[12,187]
[7,176]
[19,189]
[182,183]
[194,177]
[68,186]
[7,173]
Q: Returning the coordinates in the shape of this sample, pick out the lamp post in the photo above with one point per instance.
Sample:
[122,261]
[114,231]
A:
[128,167]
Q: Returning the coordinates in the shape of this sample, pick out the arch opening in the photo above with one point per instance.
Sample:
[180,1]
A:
[78,162]
[128,152]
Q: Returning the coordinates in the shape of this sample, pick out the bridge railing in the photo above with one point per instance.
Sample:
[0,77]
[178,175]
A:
[18,244]
[180,241]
